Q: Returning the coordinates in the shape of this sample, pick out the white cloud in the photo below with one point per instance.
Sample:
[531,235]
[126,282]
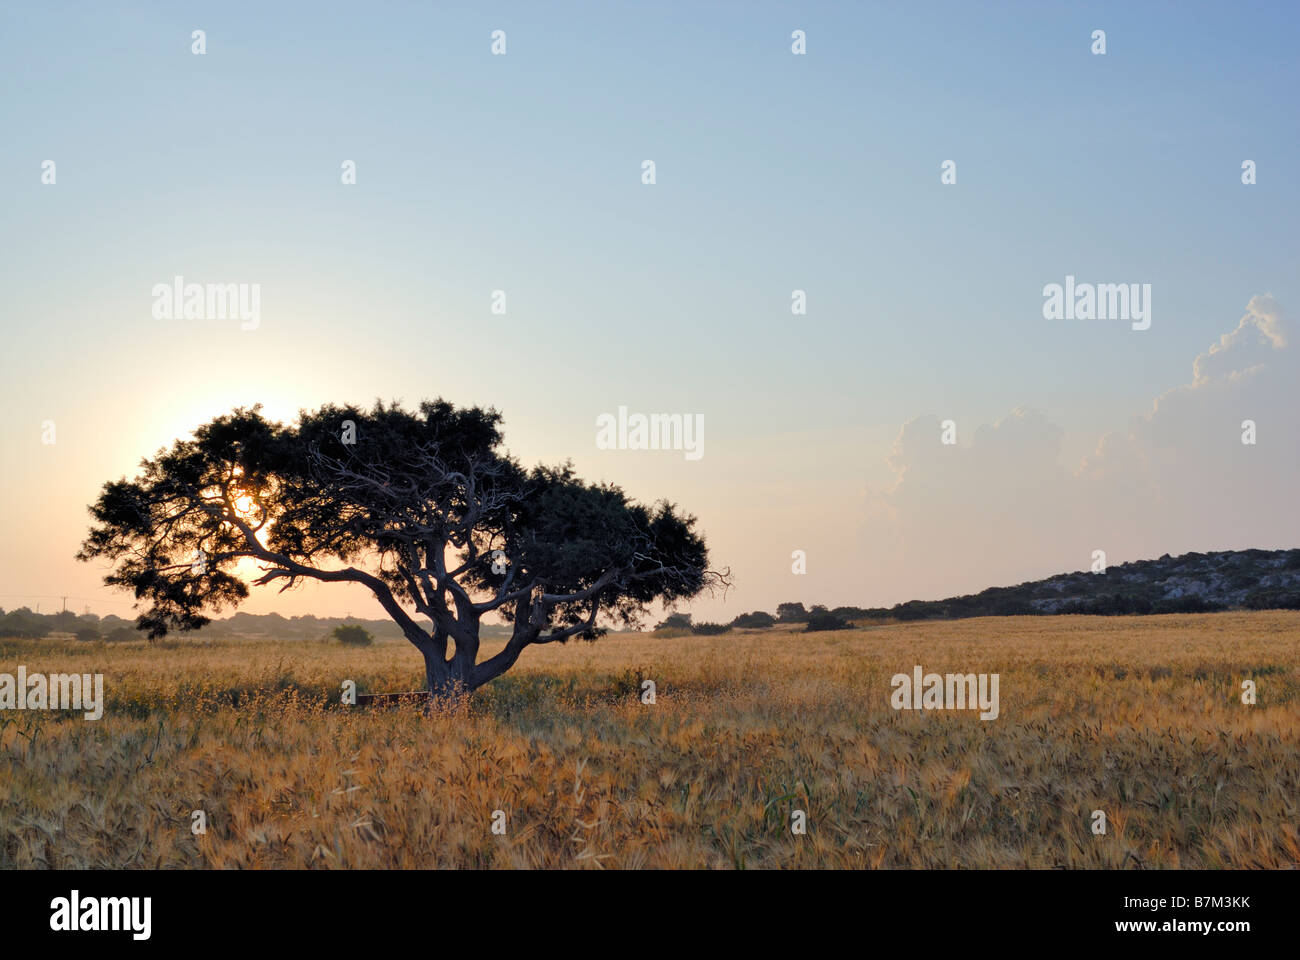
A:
[1260,333]
[1004,508]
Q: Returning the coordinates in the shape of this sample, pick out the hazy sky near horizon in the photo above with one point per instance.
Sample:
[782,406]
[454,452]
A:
[775,172]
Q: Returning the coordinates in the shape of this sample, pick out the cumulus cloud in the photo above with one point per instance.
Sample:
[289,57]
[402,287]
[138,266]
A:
[1259,333]
[1003,508]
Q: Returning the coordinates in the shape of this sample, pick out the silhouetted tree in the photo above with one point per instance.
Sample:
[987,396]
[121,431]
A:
[65,621]
[675,621]
[423,509]
[791,612]
[824,620]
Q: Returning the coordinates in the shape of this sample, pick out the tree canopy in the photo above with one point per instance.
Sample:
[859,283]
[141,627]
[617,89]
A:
[423,508]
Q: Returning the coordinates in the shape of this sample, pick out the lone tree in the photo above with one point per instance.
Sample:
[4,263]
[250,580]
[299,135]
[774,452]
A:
[422,508]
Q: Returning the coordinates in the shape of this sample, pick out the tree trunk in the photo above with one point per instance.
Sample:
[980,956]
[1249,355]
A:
[444,683]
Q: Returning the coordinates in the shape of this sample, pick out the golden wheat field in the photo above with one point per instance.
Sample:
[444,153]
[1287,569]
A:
[1139,717]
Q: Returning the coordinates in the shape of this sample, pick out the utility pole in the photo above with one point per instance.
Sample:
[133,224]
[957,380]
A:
[65,605]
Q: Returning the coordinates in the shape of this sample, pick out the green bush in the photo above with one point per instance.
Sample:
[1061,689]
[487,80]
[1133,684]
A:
[710,629]
[352,634]
[918,610]
[756,620]
[791,612]
[675,621]
[826,621]
[860,613]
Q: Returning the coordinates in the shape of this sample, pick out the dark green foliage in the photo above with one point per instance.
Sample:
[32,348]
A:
[353,635]
[1188,604]
[1115,604]
[860,613]
[823,620]
[1275,599]
[1013,607]
[919,610]
[23,623]
[710,629]
[756,620]
[65,621]
[675,621]
[791,613]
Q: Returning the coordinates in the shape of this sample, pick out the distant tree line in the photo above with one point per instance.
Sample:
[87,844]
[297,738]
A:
[818,618]
[28,625]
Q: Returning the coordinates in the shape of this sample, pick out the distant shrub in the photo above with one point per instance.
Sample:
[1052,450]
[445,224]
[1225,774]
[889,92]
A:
[859,613]
[756,620]
[791,613]
[826,621]
[353,635]
[121,635]
[917,610]
[710,629]
[87,633]
[675,621]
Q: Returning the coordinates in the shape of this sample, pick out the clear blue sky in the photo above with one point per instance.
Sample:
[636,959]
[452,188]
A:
[522,172]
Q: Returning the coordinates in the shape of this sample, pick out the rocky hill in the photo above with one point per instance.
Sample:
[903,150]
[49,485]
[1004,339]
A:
[1191,583]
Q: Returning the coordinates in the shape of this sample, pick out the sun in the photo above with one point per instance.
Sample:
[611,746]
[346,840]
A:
[250,510]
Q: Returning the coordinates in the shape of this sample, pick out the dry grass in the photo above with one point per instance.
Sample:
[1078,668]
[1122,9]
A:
[1139,717]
